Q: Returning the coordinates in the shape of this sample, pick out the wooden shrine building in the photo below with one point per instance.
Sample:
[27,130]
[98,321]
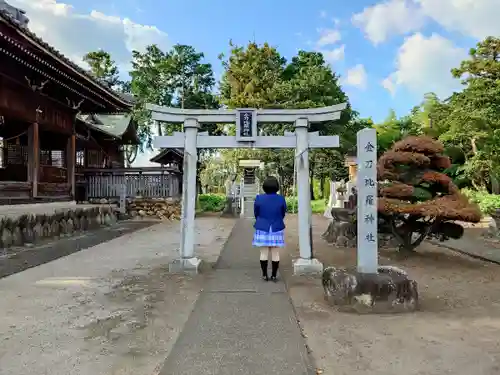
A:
[45,134]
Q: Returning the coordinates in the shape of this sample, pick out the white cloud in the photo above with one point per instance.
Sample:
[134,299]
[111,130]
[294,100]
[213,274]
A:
[389,84]
[327,44]
[475,18]
[423,65]
[356,76]
[335,54]
[382,20]
[75,34]
[142,159]
[328,37]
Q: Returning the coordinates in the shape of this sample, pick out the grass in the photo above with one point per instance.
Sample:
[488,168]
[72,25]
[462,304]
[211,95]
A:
[318,206]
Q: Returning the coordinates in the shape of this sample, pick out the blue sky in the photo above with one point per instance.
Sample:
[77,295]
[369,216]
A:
[288,25]
[389,53]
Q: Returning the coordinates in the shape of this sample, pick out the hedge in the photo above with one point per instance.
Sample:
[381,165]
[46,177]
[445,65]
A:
[488,203]
[317,206]
[211,202]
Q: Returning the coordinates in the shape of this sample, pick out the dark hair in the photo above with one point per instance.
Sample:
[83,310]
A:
[271,185]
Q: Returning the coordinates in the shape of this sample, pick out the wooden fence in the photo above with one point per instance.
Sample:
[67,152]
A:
[145,183]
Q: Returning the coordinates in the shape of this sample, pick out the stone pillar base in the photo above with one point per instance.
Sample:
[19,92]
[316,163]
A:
[303,266]
[389,290]
[185,265]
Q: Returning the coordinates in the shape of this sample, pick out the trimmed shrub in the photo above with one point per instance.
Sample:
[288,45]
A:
[488,203]
[212,202]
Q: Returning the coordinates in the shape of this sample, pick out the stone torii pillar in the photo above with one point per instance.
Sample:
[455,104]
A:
[246,137]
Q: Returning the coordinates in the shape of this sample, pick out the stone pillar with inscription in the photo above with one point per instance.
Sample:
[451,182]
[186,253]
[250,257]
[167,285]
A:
[369,287]
[367,257]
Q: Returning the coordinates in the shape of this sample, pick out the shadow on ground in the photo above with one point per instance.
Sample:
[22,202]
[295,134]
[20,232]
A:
[20,259]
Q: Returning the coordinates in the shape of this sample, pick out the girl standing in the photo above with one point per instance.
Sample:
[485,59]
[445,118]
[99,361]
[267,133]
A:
[269,211]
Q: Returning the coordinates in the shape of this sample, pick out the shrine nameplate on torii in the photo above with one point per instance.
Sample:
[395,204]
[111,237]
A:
[246,137]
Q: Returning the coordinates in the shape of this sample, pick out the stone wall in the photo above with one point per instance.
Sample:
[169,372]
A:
[29,228]
[151,208]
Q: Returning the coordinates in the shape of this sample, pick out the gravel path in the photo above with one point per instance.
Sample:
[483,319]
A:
[108,309]
[456,332]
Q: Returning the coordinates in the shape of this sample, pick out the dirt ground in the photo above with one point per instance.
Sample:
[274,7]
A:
[456,331]
[111,309]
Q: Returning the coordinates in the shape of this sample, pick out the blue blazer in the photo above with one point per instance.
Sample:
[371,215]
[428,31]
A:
[269,211]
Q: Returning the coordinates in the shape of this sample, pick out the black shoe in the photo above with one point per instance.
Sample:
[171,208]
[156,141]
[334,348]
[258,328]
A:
[274,267]
[263,266]
[274,279]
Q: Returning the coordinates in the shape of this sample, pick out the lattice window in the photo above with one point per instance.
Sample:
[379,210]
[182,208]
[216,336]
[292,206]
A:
[95,158]
[2,159]
[54,158]
[16,154]
[80,158]
[45,157]
[58,158]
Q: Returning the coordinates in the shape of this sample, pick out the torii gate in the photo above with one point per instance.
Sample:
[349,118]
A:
[246,137]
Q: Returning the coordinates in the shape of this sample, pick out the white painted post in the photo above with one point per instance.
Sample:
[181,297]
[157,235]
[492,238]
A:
[304,194]
[123,197]
[367,255]
[331,201]
[189,188]
[242,198]
[183,203]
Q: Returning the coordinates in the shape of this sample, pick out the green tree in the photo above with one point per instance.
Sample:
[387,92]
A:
[176,78]
[393,129]
[103,67]
[473,121]
[259,77]
[150,83]
[251,76]
[430,116]
[192,79]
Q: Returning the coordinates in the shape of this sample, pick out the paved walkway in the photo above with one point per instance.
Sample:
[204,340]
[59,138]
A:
[475,248]
[240,324]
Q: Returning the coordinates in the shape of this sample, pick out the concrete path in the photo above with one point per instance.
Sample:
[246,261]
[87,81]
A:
[240,324]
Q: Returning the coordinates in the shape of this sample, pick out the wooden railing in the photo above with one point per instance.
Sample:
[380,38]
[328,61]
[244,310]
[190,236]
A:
[146,182]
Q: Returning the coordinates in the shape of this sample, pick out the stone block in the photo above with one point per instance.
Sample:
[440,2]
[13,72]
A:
[26,229]
[390,290]
[303,266]
[185,265]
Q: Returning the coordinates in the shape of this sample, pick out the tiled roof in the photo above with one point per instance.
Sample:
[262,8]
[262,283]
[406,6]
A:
[163,153]
[115,125]
[33,38]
